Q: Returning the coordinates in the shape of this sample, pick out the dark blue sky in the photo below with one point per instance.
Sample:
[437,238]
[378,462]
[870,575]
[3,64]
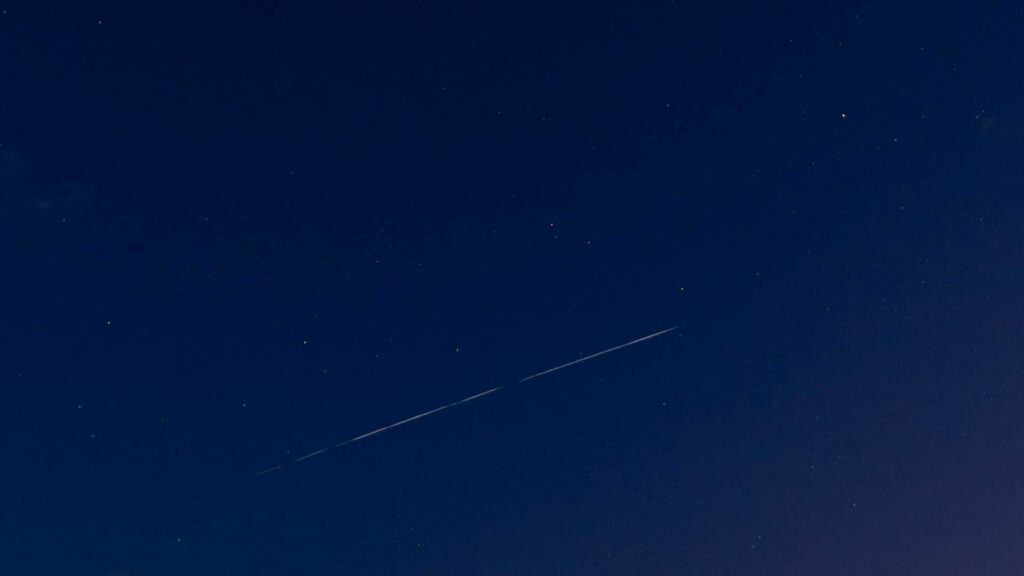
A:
[231,234]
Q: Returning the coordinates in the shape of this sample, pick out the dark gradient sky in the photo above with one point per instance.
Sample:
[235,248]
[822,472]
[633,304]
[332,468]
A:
[234,233]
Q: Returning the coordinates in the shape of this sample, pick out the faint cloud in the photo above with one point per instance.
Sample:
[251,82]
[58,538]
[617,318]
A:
[66,195]
[15,170]
[1006,128]
[19,188]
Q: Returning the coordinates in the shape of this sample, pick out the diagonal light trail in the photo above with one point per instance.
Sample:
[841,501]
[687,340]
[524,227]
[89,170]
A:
[417,417]
[469,399]
[595,355]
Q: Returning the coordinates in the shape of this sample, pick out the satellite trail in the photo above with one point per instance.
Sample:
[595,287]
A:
[469,399]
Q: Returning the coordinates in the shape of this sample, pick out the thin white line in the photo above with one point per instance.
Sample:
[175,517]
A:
[602,352]
[418,416]
[269,470]
[310,455]
[470,398]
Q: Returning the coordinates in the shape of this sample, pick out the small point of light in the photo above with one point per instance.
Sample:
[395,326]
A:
[843,114]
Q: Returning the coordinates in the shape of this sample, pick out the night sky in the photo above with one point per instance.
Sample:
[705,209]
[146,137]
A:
[233,233]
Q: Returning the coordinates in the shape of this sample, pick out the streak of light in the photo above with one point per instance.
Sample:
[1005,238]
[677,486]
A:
[468,399]
[596,354]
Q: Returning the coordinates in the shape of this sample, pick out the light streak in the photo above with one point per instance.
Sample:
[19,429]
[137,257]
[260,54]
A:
[468,399]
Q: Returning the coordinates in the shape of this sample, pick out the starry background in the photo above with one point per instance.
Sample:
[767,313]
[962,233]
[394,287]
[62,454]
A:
[233,233]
